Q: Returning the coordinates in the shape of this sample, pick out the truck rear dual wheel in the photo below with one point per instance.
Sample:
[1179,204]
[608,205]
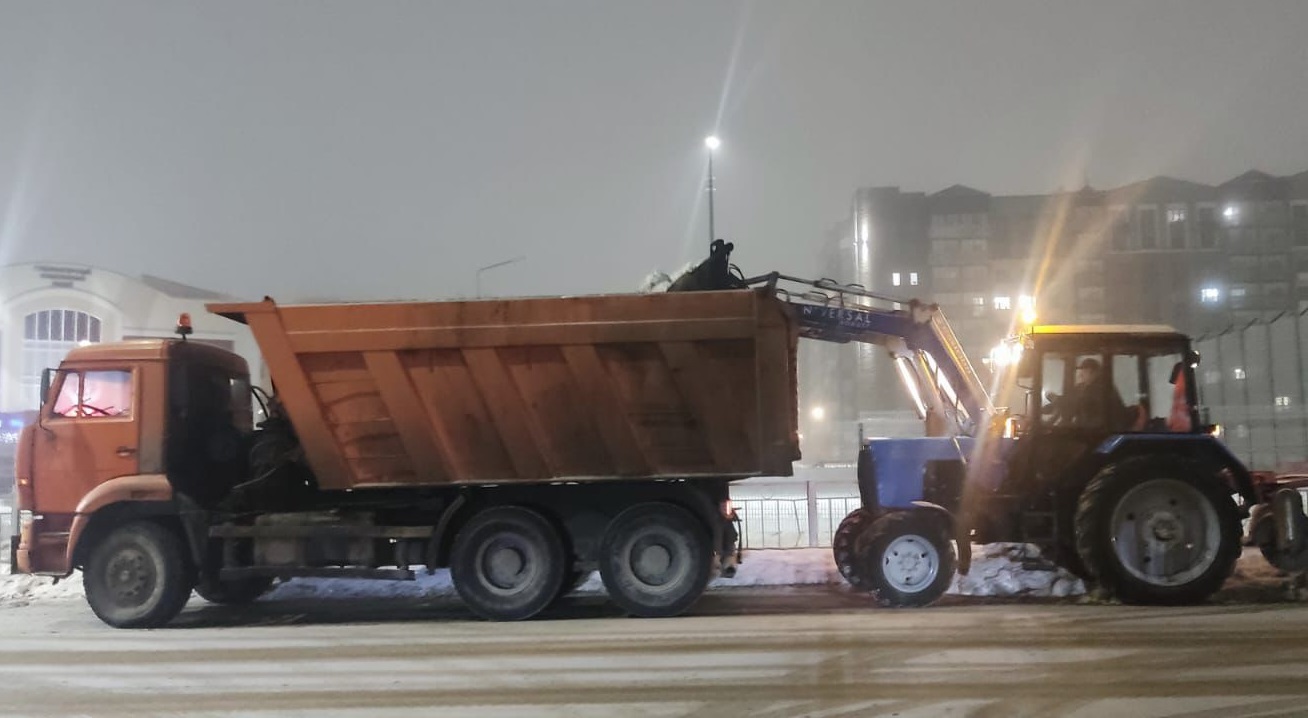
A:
[137,577]
[656,559]
[508,563]
[1158,531]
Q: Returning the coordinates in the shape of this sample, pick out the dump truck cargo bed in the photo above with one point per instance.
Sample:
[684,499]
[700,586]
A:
[645,386]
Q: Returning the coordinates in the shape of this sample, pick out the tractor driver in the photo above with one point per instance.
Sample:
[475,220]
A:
[1091,403]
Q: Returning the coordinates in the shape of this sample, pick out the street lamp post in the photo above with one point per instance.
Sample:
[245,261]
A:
[712,143]
[493,266]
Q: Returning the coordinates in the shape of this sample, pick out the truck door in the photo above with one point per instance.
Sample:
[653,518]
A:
[89,434]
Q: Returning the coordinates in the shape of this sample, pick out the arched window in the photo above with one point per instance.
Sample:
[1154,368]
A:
[47,337]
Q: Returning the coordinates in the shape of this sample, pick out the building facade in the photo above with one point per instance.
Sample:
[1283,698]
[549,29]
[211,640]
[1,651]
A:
[1203,258]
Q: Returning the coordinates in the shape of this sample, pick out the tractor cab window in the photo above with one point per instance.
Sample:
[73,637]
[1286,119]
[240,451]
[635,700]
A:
[1153,388]
[1169,402]
[1052,371]
[94,394]
[1079,393]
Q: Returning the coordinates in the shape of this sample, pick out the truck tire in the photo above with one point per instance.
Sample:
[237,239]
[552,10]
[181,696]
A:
[655,560]
[137,577]
[1158,530]
[908,558]
[844,548]
[507,563]
[234,593]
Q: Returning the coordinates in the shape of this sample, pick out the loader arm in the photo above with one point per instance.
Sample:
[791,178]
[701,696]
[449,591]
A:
[930,361]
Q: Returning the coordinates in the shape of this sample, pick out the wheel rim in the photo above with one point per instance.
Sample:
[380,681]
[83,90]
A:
[656,560]
[1165,532]
[130,577]
[507,563]
[910,563]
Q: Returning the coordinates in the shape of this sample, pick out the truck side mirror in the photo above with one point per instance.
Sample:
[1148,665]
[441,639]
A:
[1192,358]
[47,378]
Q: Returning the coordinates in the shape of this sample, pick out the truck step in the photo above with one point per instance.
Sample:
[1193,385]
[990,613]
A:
[391,574]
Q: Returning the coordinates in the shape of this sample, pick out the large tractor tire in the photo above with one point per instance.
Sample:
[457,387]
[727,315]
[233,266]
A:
[656,560]
[907,558]
[1158,530]
[137,576]
[508,563]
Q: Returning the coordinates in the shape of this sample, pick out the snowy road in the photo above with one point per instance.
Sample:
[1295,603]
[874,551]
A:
[814,651]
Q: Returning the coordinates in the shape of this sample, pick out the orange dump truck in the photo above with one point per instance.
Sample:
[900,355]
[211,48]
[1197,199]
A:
[522,443]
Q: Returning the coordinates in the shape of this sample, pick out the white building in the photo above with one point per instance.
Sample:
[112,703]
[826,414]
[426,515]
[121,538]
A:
[47,309]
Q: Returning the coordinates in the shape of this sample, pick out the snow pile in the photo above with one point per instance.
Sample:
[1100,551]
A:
[998,570]
[784,567]
[21,590]
[657,281]
[423,586]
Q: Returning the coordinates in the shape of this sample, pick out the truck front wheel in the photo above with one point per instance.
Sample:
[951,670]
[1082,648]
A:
[655,560]
[508,563]
[137,576]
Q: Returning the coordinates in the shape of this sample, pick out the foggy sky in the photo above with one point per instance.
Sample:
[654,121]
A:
[386,150]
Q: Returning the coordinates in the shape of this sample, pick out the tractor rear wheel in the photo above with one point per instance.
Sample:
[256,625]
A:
[1158,530]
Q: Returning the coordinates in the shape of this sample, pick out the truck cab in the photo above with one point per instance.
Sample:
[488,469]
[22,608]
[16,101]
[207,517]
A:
[145,430]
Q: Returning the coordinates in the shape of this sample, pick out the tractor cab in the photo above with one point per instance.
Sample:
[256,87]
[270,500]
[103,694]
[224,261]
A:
[1100,381]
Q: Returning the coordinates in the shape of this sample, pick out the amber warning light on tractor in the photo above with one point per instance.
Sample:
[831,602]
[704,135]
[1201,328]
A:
[184,326]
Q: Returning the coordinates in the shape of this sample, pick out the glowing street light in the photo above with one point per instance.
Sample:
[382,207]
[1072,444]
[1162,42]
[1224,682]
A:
[712,143]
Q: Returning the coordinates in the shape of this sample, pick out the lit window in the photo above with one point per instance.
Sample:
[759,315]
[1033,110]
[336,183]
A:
[912,278]
[979,301]
[894,279]
[1231,213]
[1282,401]
[1238,373]
[1238,292]
[1175,215]
[1210,295]
[1003,303]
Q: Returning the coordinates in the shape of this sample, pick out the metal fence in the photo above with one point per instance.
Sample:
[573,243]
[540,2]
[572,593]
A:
[1254,381]
[791,522]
